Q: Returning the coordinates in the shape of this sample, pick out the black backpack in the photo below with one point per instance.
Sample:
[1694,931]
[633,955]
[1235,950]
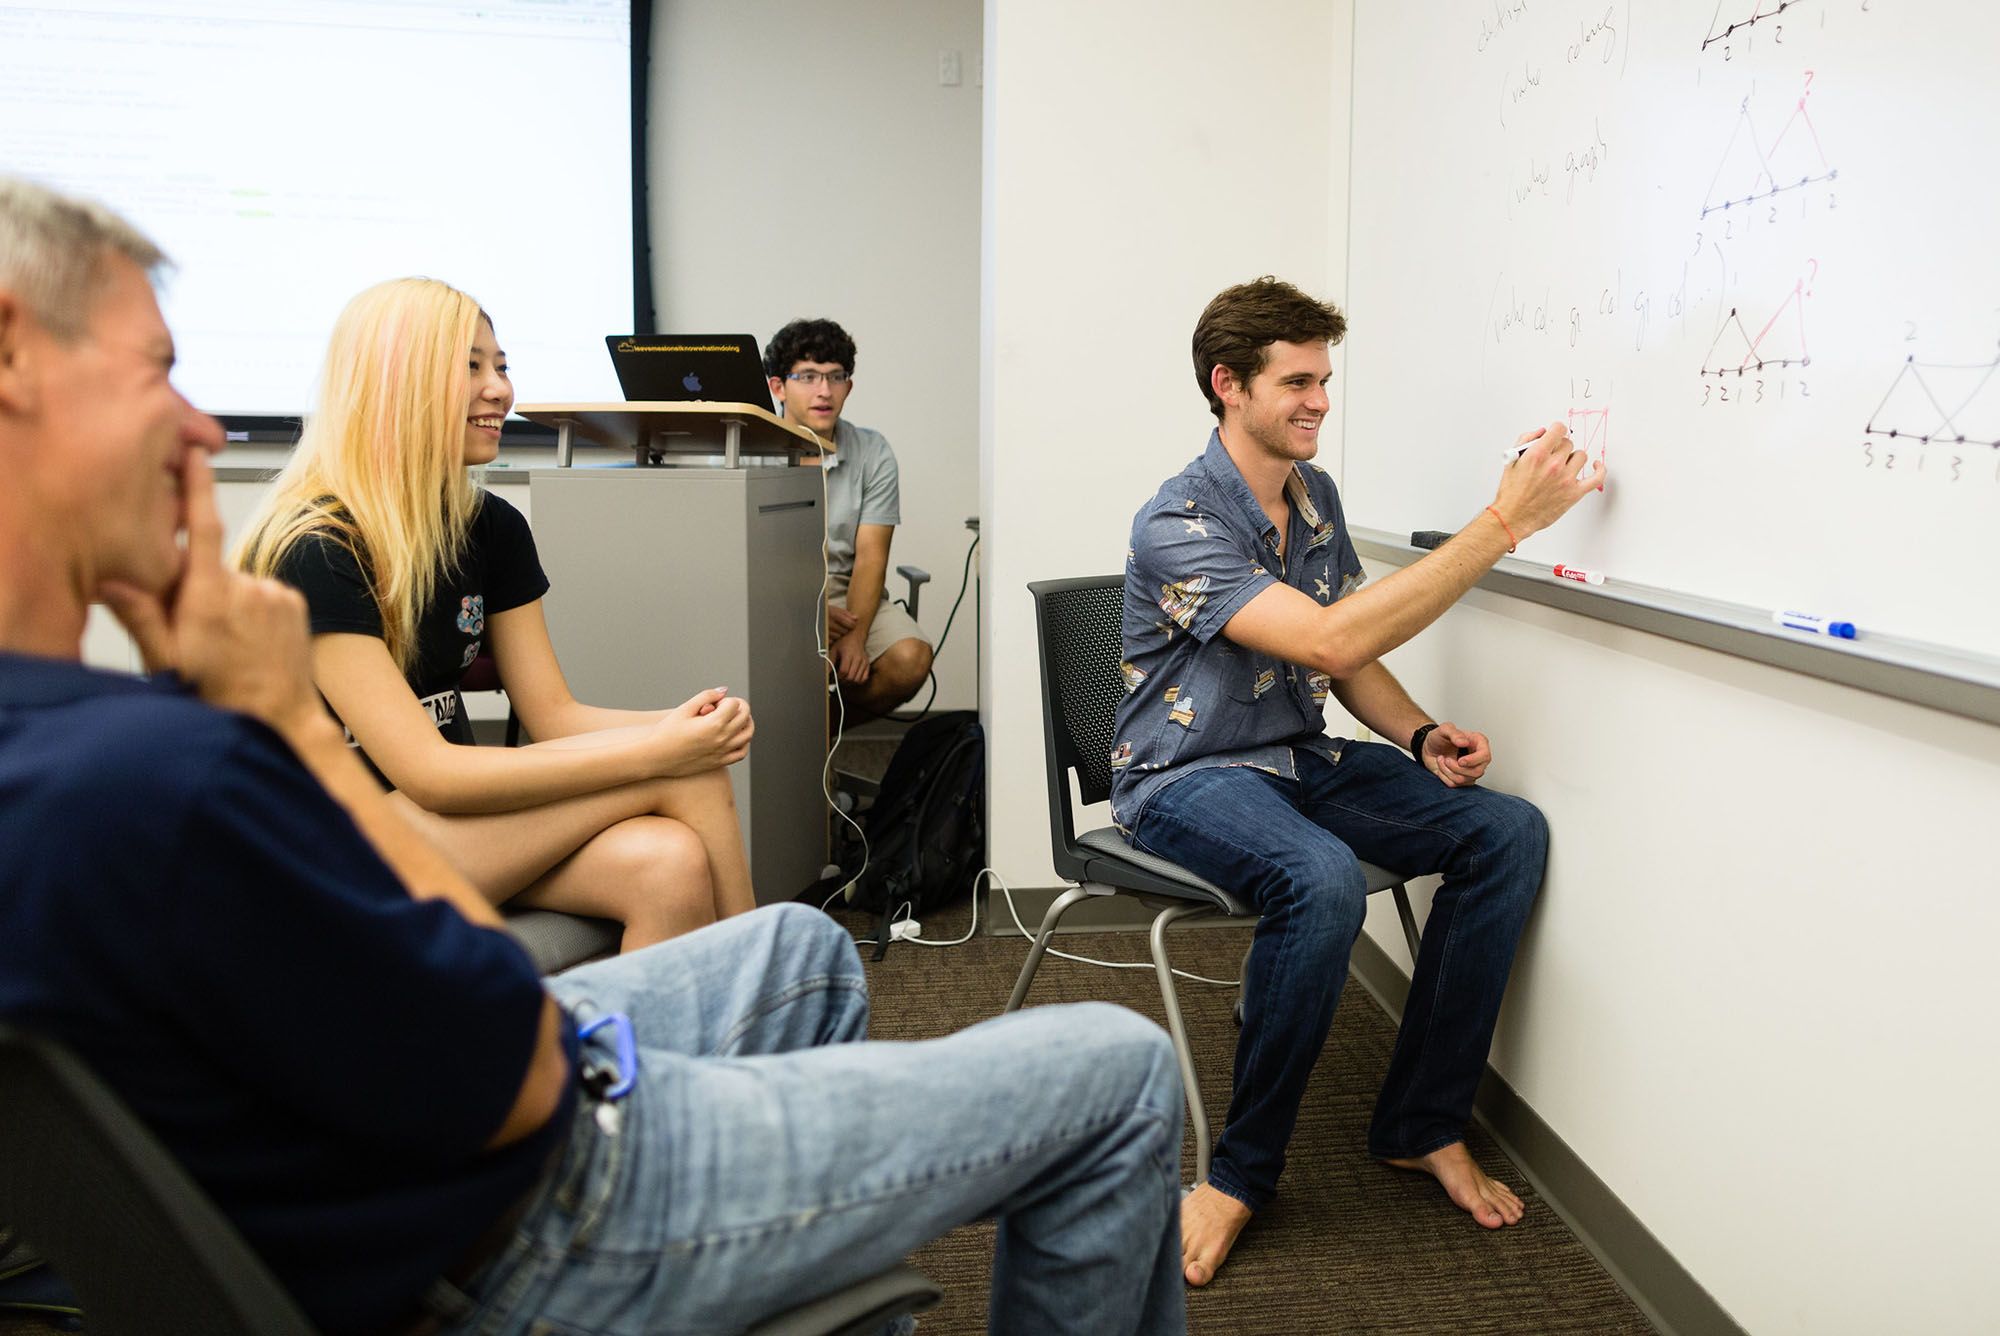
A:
[927,828]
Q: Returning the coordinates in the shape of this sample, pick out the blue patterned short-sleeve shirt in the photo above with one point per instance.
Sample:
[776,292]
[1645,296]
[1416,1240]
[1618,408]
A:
[1201,549]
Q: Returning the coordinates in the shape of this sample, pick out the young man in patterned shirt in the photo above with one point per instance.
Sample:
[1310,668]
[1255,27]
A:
[1243,612]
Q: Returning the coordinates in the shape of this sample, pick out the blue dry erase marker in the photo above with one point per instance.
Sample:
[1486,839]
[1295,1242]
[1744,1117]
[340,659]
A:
[1805,621]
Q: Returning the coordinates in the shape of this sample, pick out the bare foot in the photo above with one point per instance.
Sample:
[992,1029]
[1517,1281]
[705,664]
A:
[1488,1200]
[1210,1221]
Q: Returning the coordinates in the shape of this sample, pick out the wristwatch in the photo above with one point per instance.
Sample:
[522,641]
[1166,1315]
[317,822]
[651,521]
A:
[1417,742]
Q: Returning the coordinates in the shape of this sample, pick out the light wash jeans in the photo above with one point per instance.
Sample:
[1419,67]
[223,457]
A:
[767,1155]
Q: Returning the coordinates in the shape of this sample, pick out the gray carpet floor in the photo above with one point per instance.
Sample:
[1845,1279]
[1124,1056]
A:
[1350,1245]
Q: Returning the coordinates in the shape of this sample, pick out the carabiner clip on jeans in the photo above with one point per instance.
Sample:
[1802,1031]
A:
[608,1078]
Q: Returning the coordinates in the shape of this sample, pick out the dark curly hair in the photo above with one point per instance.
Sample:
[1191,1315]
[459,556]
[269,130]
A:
[808,341]
[1245,320]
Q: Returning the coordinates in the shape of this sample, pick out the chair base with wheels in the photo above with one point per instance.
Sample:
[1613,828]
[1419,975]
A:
[1078,622]
[862,1309]
[31,1292]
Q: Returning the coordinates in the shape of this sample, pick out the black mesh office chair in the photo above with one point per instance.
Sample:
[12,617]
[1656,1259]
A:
[92,1190]
[1078,624]
[115,1215]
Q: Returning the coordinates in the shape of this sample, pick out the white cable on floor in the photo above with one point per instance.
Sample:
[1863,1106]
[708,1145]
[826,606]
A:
[958,941]
[997,880]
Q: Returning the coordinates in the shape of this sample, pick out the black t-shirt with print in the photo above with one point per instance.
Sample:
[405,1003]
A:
[498,571]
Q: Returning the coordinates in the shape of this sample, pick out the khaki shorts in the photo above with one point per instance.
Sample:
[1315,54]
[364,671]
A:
[891,622]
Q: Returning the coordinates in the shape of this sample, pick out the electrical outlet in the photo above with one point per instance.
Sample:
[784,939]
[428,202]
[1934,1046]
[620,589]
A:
[951,69]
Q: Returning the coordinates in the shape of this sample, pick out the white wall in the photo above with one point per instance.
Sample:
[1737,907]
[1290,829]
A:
[1756,996]
[1140,157]
[806,161]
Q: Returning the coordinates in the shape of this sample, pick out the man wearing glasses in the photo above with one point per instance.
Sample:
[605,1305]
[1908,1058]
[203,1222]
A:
[879,652]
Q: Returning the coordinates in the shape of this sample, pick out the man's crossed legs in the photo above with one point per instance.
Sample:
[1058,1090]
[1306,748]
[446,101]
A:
[768,1154]
[1291,847]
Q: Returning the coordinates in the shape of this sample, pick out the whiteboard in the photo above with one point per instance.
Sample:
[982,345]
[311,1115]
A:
[1746,249]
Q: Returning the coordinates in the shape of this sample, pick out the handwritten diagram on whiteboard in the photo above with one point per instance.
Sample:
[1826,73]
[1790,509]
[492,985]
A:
[1768,223]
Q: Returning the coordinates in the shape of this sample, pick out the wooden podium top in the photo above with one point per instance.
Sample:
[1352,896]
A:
[674,428]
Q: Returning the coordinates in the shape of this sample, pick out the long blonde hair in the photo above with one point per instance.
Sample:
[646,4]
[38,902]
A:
[380,467]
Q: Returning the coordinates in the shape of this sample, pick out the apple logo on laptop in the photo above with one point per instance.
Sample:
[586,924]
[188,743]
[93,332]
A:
[691,383]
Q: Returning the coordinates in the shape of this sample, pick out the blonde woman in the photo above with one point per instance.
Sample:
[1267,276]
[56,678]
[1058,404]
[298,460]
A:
[409,570]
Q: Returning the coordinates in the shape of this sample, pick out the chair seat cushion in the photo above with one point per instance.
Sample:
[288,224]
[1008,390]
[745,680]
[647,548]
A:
[557,941]
[1111,842]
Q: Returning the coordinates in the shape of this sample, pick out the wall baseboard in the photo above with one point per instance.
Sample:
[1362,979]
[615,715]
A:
[1669,1295]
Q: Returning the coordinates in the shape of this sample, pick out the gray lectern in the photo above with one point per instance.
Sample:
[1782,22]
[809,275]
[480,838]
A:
[703,571]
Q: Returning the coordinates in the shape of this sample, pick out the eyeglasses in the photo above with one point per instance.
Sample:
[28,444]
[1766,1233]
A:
[812,378]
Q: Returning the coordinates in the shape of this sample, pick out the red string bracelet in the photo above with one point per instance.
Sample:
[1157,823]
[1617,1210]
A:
[1512,542]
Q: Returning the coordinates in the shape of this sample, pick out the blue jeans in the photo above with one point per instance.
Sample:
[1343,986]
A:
[1290,846]
[767,1155]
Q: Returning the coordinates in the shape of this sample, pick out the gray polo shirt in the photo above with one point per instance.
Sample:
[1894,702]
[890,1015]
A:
[861,488]
[1201,549]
